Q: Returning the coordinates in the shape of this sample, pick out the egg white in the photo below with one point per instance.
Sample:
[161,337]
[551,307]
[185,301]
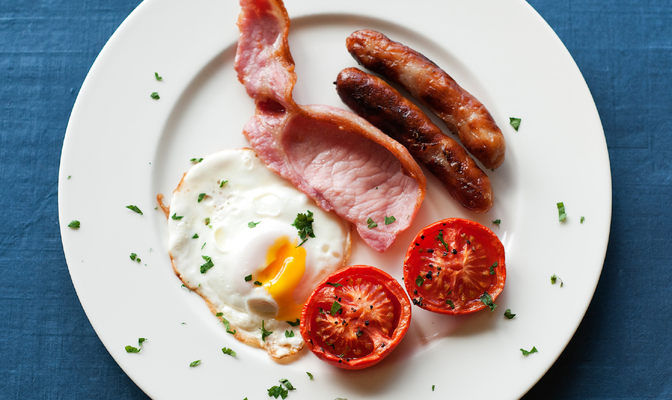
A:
[236,189]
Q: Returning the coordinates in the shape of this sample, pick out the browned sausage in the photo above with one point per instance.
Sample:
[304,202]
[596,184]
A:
[384,107]
[433,87]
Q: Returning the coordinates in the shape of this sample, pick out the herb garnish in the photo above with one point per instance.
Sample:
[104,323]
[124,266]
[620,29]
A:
[264,332]
[176,217]
[370,223]
[157,77]
[228,351]
[515,123]
[74,224]
[135,257]
[195,363]
[258,283]
[195,236]
[289,334]
[134,208]
[334,284]
[205,267]
[443,242]
[248,278]
[131,349]
[390,219]
[450,303]
[583,218]
[197,160]
[252,224]
[223,182]
[508,314]
[487,300]
[562,215]
[201,196]
[527,353]
[226,324]
[155,95]
[294,323]
[419,280]
[497,222]
[304,224]
[335,308]
[554,278]
[492,267]
[310,375]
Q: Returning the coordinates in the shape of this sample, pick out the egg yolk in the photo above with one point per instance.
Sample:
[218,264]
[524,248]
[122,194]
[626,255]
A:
[285,266]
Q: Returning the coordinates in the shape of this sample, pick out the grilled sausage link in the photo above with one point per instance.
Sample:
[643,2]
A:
[384,107]
[433,87]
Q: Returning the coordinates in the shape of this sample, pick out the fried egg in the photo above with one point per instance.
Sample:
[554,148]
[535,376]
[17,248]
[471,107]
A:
[234,238]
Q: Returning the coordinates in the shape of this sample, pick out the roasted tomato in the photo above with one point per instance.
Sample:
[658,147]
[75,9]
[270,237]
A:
[455,266]
[355,317]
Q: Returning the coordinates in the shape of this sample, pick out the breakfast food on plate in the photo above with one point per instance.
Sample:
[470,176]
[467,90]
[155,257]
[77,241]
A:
[334,156]
[462,112]
[355,317]
[252,246]
[455,266]
[382,105]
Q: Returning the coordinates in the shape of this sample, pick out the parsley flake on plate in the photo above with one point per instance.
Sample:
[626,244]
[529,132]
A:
[515,123]
[390,219]
[176,217]
[252,224]
[527,353]
[195,236]
[228,351]
[370,223]
[131,349]
[195,363]
[248,278]
[157,77]
[135,257]
[555,278]
[226,324]
[310,375]
[508,314]
[289,334]
[562,215]
[74,224]
[497,222]
[155,95]
[134,208]
[222,183]
[201,196]
[196,160]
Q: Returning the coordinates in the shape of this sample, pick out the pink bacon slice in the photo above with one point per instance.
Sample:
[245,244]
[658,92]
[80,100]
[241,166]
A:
[334,156]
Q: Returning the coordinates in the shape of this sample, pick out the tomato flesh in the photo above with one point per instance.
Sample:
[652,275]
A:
[451,264]
[355,317]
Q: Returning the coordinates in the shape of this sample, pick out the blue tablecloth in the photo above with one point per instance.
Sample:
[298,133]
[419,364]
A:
[622,348]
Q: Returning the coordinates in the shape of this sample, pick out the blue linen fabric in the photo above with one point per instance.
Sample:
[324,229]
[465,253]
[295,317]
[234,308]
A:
[621,350]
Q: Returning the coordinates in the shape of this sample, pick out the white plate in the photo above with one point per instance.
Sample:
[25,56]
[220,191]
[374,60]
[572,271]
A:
[122,148]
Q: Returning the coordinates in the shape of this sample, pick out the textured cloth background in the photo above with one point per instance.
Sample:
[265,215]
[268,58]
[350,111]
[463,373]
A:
[622,349]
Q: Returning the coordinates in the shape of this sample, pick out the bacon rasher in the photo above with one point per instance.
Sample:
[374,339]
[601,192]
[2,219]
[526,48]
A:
[335,157]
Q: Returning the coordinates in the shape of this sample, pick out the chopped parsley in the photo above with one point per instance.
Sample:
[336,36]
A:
[264,332]
[135,257]
[497,222]
[248,278]
[370,223]
[492,267]
[554,278]
[508,314]
[304,224]
[208,264]
[287,384]
[335,308]
[155,95]
[201,196]
[252,224]
[527,353]
[195,363]
[294,323]
[487,300]
[334,284]
[443,242]
[432,388]
[197,160]
[515,123]
[390,219]
[277,391]
[74,224]
[157,77]
[227,325]
[450,303]
[562,215]
[258,283]
[176,217]
[289,334]
[131,349]
[228,351]
[195,236]
[203,245]
[419,280]
[207,221]
[134,208]
[583,218]
[310,375]
[222,183]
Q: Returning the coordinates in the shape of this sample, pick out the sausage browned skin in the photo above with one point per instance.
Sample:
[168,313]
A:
[384,107]
[433,87]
